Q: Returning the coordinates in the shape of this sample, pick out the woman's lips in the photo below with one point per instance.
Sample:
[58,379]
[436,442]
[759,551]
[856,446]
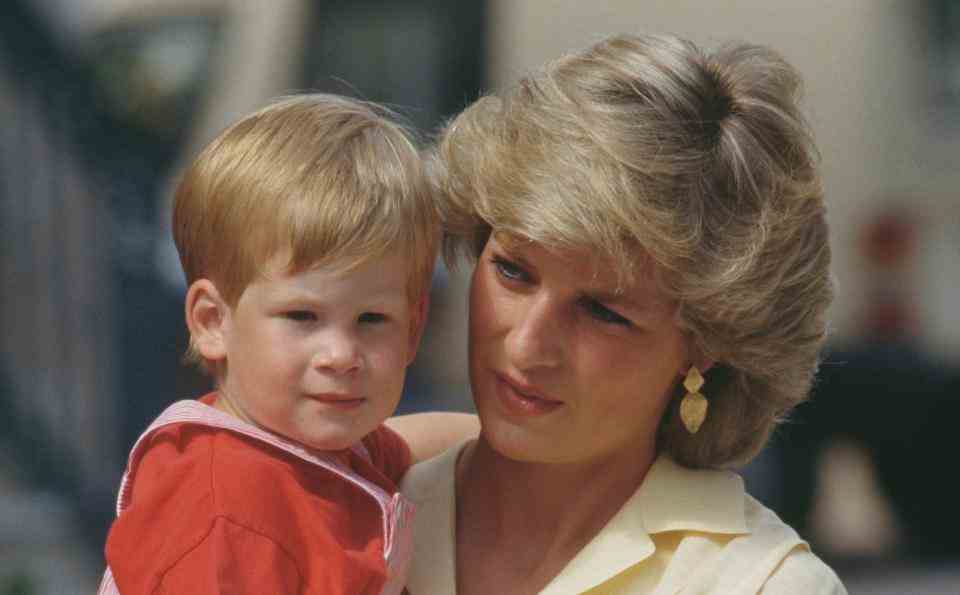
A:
[522,400]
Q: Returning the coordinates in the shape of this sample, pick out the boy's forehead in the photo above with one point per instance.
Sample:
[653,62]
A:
[284,262]
[382,274]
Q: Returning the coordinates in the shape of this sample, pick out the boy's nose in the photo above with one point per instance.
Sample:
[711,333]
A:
[339,355]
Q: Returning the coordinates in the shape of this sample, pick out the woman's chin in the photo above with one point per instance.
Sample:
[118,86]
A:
[518,443]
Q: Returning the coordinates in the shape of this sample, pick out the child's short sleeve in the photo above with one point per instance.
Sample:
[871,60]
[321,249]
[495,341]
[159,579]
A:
[388,452]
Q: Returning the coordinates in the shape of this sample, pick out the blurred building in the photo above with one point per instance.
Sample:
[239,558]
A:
[103,103]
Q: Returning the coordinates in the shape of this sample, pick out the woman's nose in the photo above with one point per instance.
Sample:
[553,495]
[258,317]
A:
[535,339]
[339,352]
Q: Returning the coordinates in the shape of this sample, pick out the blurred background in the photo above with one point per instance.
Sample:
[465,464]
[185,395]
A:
[103,101]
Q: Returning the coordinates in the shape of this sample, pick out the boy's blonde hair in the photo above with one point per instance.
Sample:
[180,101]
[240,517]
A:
[320,177]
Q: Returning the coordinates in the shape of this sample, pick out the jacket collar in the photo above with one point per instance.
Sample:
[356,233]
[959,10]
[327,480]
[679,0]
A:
[675,498]
[671,498]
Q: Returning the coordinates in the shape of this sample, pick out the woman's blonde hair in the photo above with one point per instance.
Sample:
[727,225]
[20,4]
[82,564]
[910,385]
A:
[320,177]
[647,147]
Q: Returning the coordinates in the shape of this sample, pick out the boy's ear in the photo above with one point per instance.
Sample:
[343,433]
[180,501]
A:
[207,318]
[418,321]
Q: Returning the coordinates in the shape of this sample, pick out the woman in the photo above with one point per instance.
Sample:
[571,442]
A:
[648,301]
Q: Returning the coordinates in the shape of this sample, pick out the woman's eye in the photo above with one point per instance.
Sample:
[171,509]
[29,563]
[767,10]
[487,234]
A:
[600,312]
[508,270]
[300,316]
[372,318]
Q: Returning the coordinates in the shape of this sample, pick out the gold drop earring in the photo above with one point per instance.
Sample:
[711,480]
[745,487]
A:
[693,407]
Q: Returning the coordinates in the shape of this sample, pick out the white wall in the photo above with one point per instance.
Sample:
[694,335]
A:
[864,66]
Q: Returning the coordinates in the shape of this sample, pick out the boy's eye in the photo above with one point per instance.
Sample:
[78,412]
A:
[508,270]
[372,318]
[300,316]
[602,313]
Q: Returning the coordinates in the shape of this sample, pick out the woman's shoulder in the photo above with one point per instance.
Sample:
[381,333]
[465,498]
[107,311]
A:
[722,540]
[434,477]
[801,571]
[431,486]
[780,559]
[765,526]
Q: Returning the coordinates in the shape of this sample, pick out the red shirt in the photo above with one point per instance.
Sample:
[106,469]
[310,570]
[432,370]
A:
[216,512]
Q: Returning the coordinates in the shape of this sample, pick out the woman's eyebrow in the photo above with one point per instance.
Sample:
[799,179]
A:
[640,304]
[620,298]
[514,253]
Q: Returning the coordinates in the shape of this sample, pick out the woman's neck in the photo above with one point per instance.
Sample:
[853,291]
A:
[535,517]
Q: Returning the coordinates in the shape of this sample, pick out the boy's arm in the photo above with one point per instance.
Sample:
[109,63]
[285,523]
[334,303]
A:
[429,434]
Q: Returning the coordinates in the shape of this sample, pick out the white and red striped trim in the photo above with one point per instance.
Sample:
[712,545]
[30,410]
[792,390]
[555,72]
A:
[396,511]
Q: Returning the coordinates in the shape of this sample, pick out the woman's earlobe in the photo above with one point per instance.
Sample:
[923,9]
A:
[207,317]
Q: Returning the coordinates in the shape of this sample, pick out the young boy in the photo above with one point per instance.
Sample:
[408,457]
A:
[307,235]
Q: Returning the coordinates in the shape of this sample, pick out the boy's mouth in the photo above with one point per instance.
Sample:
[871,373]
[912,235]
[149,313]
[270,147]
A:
[339,400]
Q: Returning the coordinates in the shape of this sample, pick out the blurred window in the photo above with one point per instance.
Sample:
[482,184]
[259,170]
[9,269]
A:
[944,63]
[151,74]
[423,58]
